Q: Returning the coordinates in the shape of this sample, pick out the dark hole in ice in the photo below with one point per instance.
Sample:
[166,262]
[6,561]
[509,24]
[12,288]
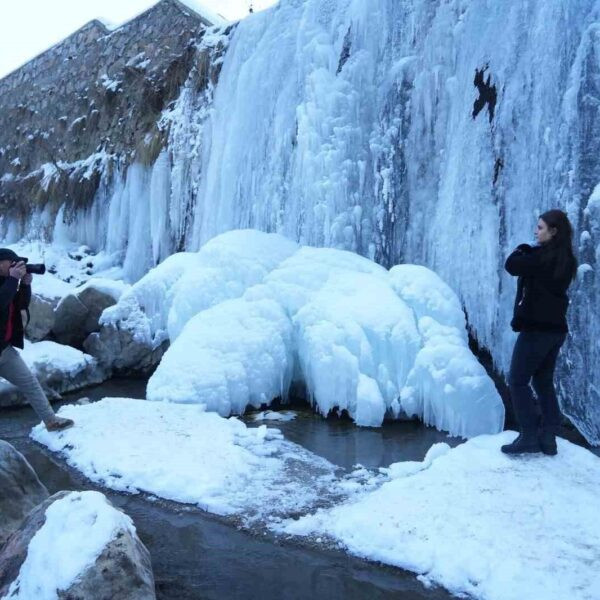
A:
[498,165]
[487,93]
[345,54]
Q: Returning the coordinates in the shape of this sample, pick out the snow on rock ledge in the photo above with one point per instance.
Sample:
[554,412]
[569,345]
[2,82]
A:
[76,545]
[59,369]
[479,522]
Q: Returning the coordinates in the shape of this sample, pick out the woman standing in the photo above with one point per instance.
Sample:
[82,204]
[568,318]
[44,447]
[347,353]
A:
[545,272]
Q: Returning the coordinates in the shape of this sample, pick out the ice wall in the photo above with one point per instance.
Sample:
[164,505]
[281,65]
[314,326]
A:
[430,132]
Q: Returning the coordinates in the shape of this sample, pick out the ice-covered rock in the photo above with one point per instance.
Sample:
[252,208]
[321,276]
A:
[372,342]
[59,369]
[153,312]
[478,522]
[20,489]
[76,545]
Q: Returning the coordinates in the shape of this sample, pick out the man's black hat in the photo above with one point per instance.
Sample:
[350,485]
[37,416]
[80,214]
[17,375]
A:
[8,254]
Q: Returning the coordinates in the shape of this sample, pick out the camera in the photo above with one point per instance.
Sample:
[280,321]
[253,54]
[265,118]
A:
[36,269]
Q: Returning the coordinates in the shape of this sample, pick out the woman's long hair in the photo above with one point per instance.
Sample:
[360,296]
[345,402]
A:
[560,247]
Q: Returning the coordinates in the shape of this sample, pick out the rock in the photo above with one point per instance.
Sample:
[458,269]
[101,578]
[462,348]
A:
[122,570]
[59,369]
[41,312]
[118,349]
[69,318]
[20,489]
[77,314]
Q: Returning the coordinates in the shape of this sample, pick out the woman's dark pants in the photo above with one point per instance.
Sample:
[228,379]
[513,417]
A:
[533,360]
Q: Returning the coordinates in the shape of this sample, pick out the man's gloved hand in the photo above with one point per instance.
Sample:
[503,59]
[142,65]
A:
[18,271]
[27,278]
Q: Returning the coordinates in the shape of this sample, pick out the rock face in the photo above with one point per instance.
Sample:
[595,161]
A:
[77,315]
[117,349]
[123,570]
[20,489]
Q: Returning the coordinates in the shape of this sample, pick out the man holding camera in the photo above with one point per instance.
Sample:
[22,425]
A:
[15,295]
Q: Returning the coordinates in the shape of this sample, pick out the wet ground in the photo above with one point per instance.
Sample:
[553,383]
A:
[196,555]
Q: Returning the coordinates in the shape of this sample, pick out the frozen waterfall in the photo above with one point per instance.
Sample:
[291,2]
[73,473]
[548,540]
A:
[415,131]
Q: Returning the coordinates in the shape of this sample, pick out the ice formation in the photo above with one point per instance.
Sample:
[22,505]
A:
[251,312]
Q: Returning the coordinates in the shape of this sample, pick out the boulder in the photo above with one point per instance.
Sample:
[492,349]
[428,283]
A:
[77,314]
[59,369]
[41,312]
[122,568]
[20,489]
[119,350]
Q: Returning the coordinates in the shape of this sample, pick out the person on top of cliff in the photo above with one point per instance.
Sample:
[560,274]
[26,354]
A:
[15,295]
[545,272]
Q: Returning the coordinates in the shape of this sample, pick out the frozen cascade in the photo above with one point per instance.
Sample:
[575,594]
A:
[421,132]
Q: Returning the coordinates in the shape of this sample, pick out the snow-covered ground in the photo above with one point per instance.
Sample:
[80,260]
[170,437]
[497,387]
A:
[252,312]
[471,519]
[479,522]
[184,454]
[76,530]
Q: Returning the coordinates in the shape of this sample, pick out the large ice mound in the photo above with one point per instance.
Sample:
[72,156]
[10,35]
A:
[252,312]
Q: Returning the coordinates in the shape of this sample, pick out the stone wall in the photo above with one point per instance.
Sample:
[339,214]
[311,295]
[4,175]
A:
[98,92]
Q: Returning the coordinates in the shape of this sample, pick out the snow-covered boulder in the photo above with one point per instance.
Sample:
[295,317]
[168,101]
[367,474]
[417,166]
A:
[77,314]
[20,489]
[372,342]
[59,369]
[137,330]
[76,545]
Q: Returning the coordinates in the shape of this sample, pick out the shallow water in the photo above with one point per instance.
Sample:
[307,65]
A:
[197,555]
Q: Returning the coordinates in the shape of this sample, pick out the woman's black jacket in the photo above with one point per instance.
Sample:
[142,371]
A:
[541,302]
[9,292]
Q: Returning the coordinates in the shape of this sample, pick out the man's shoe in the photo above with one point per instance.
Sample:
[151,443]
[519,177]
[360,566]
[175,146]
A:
[59,423]
[547,442]
[525,443]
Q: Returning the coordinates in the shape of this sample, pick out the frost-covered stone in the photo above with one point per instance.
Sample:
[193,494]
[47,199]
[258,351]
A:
[20,489]
[76,545]
[59,369]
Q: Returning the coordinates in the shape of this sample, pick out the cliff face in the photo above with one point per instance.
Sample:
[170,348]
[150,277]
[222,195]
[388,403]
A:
[417,131]
[87,104]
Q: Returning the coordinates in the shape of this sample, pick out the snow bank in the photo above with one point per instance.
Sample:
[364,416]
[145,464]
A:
[267,312]
[479,522]
[77,528]
[219,464]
